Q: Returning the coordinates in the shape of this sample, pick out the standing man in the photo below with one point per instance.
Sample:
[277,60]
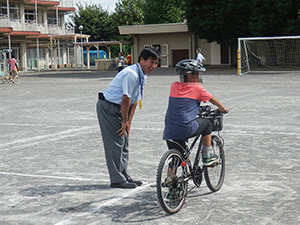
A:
[115,110]
[200,58]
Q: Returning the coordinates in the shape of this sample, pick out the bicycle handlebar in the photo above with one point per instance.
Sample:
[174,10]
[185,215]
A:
[215,116]
[206,111]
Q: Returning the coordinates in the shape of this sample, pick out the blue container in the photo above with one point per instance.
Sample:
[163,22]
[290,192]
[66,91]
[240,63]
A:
[93,56]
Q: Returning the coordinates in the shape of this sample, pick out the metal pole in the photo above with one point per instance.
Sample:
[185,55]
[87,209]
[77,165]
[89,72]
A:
[9,46]
[81,50]
[9,42]
[37,39]
[38,54]
[238,62]
[8,16]
[81,28]
[51,45]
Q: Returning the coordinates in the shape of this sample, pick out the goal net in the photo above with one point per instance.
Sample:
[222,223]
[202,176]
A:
[268,54]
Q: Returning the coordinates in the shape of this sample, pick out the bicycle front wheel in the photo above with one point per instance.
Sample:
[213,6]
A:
[171,185]
[214,174]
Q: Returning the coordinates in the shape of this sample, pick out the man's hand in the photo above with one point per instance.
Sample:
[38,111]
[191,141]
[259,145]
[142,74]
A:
[123,129]
[128,125]
[127,112]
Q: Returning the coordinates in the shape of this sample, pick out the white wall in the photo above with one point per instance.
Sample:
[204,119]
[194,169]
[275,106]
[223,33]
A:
[211,51]
[174,41]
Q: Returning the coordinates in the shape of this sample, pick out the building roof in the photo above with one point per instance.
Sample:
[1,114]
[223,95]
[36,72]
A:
[23,33]
[43,2]
[5,29]
[66,9]
[104,43]
[153,28]
[70,36]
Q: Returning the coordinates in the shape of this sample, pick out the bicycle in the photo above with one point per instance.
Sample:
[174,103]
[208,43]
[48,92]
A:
[176,169]
[8,78]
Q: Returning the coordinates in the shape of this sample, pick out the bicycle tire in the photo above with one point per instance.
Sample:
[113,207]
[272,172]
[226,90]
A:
[4,80]
[215,174]
[17,79]
[171,187]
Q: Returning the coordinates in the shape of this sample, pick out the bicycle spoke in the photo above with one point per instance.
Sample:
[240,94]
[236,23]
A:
[171,187]
[214,174]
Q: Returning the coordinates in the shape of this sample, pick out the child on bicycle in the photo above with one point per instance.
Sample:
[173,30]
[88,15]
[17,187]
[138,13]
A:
[181,120]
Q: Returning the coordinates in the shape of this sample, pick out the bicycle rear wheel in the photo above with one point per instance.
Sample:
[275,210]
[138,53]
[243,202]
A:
[4,80]
[171,186]
[214,174]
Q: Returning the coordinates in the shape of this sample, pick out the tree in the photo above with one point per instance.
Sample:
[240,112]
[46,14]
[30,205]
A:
[127,12]
[275,18]
[163,11]
[224,21]
[95,20]
[221,21]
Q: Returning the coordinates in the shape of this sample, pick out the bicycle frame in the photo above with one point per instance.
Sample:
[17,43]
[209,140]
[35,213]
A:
[187,152]
[198,156]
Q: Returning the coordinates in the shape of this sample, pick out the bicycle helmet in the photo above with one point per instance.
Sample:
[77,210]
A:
[189,66]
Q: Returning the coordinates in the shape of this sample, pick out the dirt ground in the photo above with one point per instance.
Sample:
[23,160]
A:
[53,170]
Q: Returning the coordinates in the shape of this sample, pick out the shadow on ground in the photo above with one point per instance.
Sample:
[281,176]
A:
[137,209]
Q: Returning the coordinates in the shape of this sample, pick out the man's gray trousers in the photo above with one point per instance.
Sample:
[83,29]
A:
[115,147]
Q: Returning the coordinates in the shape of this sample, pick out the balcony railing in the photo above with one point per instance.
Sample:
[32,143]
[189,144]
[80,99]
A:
[66,3]
[30,25]
[63,3]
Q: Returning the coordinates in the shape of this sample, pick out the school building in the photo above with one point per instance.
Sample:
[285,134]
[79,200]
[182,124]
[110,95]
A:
[35,33]
[175,42]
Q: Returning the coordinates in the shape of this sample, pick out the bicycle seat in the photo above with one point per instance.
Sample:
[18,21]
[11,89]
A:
[179,144]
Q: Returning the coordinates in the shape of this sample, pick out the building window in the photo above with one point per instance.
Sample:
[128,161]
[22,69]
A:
[52,20]
[3,9]
[30,16]
[14,11]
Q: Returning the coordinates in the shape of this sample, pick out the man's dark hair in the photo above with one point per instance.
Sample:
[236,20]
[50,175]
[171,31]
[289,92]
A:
[149,53]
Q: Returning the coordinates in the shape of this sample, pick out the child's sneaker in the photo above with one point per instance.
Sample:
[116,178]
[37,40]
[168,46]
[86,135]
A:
[211,160]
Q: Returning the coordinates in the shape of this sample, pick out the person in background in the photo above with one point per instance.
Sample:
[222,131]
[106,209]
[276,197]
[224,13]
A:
[13,68]
[200,58]
[120,62]
[128,60]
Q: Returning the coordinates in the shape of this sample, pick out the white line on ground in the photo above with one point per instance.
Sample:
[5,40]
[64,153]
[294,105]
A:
[38,125]
[58,134]
[45,138]
[53,177]
[119,198]
[29,142]
[250,132]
